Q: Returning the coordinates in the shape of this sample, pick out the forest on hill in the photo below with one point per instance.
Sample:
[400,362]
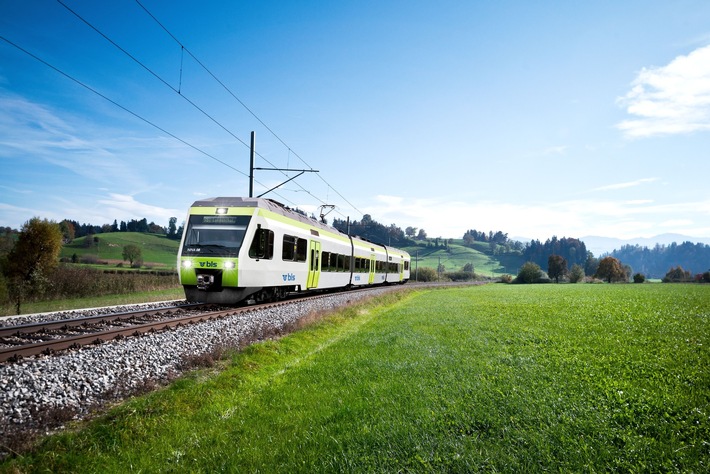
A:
[657,261]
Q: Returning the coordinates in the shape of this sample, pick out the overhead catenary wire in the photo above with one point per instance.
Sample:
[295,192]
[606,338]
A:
[126,109]
[230,92]
[177,90]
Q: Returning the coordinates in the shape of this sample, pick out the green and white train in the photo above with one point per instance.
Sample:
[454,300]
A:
[235,249]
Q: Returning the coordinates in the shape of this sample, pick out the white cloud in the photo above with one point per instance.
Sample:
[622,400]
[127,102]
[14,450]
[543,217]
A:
[125,205]
[628,184]
[671,99]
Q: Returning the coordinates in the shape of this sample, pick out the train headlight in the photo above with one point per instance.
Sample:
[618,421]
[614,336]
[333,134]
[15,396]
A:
[222,211]
[187,264]
[229,265]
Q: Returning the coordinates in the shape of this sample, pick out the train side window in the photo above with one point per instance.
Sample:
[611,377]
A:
[341,262]
[406,265]
[288,251]
[325,259]
[301,250]
[263,244]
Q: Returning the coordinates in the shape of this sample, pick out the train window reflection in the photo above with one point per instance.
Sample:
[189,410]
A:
[205,238]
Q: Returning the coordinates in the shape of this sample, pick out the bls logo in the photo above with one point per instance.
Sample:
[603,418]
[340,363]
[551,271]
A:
[208,264]
[289,277]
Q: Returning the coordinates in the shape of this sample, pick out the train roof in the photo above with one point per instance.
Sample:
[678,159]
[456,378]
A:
[278,208]
[261,203]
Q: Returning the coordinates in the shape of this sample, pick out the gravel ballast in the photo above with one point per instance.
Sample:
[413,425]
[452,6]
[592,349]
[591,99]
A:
[37,394]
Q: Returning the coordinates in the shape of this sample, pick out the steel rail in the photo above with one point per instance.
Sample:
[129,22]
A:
[50,346]
[14,330]
[14,353]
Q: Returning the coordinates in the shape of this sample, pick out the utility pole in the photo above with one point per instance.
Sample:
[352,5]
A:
[251,165]
[252,152]
[416,267]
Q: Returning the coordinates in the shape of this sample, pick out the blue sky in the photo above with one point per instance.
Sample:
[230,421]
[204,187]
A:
[534,118]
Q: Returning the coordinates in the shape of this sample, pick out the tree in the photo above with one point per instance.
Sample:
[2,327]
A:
[421,235]
[591,264]
[676,275]
[67,229]
[410,232]
[132,253]
[172,228]
[468,268]
[33,258]
[529,273]
[610,269]
[576,274]
[556,267]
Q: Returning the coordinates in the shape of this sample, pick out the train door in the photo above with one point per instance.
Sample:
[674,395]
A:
[314,268]
[373,264]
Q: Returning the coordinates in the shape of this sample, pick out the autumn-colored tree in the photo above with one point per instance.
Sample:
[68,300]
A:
[556,267]
[610,269]
[33,258]
[68,231]
[677,274]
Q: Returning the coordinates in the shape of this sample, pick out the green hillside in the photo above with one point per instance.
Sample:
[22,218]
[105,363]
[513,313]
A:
[457,255]
[155,249]
[158,250]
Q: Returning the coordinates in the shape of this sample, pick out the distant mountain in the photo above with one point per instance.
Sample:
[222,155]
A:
[602,245]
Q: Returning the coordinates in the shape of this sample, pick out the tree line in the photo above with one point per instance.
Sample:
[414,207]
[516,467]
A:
[30,270]
[371,230]
[72,229]
[655,262]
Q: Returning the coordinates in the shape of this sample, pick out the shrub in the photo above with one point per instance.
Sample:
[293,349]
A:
[530,272]
[424,274]
[89,259]
[4,292]
[639,278]
[576,274]
[677,275]
[68,281]
[461,276]
[506,278]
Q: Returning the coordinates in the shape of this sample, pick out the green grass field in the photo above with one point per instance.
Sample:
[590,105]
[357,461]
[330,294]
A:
[155,249]
[511,378]
[458,255]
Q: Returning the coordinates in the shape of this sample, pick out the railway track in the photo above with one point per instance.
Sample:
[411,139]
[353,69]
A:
[46,338]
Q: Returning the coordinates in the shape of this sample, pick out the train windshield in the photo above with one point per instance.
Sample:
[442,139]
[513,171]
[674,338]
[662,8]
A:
[219,236]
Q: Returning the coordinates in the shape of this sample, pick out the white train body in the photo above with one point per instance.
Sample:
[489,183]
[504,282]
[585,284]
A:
[234,249]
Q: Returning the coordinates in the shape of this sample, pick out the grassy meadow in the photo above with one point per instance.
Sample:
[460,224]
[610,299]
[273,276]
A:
[458,255]
[512,378]
[156,250]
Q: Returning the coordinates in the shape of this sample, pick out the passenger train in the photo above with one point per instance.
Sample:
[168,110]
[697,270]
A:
[236,249]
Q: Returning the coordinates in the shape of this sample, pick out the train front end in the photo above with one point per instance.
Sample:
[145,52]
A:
[212,242]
